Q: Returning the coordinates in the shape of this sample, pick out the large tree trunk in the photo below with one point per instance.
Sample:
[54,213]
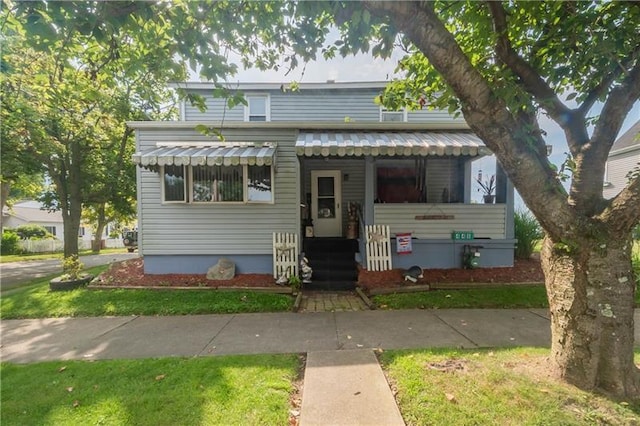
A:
[71,225]
[5,188]
[101,223]
[591,297]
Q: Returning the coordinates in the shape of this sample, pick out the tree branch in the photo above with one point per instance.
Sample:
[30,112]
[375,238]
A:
[623,212]
[487,114]
[571,121]
[615,110]
[600,89]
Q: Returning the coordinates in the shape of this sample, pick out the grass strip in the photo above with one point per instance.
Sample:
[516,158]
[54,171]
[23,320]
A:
[504,297]
[493,387]
[34,300]
[233,390]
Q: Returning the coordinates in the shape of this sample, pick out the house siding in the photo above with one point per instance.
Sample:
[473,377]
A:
[339,105]
[218,229]
[618,166]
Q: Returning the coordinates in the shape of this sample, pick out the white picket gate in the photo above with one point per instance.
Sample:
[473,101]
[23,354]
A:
[285,255]
[378,244]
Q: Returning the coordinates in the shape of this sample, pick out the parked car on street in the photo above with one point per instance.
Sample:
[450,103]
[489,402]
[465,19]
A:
[130,240]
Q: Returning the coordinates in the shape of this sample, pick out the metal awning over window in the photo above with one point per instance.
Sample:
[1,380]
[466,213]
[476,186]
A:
[425,143]
[222,154]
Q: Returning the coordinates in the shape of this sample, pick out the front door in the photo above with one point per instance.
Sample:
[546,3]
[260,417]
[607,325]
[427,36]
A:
[326,194]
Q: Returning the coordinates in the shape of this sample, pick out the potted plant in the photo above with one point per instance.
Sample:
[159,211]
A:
[72,276]
[487,187]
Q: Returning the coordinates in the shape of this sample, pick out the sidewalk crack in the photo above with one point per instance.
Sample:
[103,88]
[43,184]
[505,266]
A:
[201,352]
[456,330]
[135,317]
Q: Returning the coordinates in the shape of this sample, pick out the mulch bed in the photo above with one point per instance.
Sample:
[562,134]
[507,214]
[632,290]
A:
[130,273]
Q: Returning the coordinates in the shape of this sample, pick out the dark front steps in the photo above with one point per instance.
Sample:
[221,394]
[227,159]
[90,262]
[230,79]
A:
[333,263]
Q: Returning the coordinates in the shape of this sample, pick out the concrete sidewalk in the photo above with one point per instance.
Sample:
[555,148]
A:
[208,335]
[343,383]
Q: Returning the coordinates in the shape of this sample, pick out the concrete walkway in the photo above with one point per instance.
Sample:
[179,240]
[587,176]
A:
[343,382]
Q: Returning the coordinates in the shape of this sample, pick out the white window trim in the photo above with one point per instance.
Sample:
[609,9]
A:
[183,110]
[186,187]
[267,105]
[403,111]
[245,190]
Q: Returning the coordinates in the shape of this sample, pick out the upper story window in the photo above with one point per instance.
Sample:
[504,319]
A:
[258,108]
[396,116]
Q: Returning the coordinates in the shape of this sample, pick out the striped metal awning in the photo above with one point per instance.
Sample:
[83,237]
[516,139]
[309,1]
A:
[222,154]
[426,143]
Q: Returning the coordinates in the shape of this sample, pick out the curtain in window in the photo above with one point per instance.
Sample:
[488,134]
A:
[217,183]
[174,183]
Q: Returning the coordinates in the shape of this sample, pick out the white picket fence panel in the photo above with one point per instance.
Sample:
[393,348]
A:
[285,255]
[55,245]
[378,246]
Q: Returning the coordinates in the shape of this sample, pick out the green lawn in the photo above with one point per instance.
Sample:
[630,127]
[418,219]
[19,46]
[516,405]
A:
[504,297]
[233,390]
[36,301]
[493,387]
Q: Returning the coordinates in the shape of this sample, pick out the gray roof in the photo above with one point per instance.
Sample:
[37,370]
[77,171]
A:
[629,139]
[389,143]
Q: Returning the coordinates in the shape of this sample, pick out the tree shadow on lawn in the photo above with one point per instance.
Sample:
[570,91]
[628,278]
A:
[215,390]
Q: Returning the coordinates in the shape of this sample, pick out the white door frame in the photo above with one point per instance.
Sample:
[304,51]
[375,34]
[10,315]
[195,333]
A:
[326,210]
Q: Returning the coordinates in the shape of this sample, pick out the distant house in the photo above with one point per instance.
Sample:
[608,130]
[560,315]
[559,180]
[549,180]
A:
[317,163]
[31,213]
[624,157]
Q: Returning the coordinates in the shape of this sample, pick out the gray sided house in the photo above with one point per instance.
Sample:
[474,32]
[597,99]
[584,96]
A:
[623,158]
[322,162]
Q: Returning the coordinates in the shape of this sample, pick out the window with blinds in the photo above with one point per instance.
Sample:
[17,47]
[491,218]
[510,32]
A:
[218,184]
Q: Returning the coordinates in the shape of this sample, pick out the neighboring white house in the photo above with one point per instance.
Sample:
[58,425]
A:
[32,213]
[624,157]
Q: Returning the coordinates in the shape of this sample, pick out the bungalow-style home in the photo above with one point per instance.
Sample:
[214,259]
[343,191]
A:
[623,158]
[31,212]
[328,168]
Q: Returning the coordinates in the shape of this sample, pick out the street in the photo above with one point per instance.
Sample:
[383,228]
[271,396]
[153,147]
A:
[14,274]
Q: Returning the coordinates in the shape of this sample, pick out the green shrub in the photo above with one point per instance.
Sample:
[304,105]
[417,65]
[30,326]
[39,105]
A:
[72,267]
[528,232]
[9,243]
[32,232]
[636,232]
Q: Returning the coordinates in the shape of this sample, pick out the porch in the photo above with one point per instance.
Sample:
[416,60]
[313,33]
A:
[422,185]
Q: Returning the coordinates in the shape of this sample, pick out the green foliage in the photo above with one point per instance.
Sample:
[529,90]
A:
[528,232]
[72,267]
[9,243]
[636,233]
[240,390]
[295,282]
[32,232]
